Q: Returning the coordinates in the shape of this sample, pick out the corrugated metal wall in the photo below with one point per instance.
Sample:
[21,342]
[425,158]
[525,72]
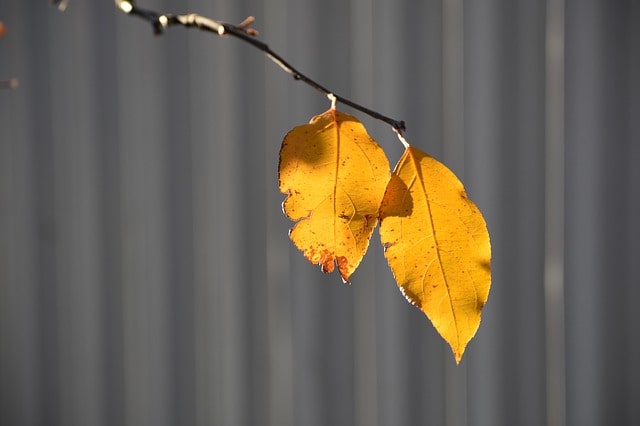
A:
[146,277]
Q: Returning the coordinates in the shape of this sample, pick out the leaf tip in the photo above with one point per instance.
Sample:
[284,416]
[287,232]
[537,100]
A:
[458,351]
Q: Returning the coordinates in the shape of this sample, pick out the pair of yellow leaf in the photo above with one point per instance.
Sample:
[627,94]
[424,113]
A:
[338,187]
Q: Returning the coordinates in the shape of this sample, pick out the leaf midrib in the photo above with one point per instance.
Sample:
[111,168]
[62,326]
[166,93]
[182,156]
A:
[416,164]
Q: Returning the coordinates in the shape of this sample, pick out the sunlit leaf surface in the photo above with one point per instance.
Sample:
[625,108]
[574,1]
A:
[437,245]
[334,176]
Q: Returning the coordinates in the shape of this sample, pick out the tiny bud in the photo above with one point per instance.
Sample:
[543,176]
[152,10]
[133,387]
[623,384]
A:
[125,6]
[61,4]
[247,21]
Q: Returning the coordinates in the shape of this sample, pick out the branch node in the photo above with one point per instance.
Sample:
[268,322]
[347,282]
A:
[244,25]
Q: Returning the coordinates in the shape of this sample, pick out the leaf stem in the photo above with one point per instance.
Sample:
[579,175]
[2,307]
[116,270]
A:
[333,100]
[160,21]
[402,139]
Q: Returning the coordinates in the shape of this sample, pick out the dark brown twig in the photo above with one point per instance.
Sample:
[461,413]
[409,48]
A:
[243,31]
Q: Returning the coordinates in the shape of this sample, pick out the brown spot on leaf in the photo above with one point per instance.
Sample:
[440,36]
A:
[343,267]
[326,262]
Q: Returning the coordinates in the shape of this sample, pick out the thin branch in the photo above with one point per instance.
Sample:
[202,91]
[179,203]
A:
[161,21]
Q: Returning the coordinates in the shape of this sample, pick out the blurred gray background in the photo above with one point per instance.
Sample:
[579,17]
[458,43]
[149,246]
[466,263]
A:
[146,276]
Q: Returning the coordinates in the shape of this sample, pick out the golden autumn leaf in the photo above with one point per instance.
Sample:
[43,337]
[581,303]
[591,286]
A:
[437,245]
[335,176]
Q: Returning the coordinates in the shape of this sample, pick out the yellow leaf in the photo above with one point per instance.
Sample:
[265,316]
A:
[437,245]
[335,176]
